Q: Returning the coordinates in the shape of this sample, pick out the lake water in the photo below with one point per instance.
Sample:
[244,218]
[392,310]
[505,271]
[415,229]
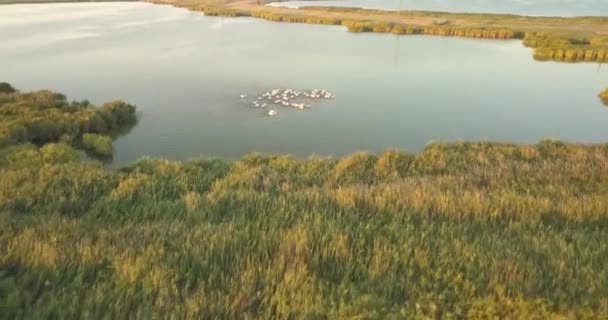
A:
[185,73]
[564,8]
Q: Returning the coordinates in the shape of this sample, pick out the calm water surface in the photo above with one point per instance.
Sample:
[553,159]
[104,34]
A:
[564,8]
[185,73]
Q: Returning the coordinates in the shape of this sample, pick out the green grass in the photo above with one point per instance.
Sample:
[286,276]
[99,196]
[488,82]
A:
[460,230]
[98,144]
[470,230]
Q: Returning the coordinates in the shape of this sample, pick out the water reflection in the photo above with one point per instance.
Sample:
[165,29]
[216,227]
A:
[185,72]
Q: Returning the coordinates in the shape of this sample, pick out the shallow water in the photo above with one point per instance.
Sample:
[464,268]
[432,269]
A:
[563,8]
[185,73]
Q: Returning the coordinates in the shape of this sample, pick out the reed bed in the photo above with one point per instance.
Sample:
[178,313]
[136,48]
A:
[470,230]
[547,45]
[458,231]
[223,12]
[567,49]
[579,39]
[449,31]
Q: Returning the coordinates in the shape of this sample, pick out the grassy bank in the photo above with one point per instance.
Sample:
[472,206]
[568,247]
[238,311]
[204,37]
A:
[463,230]
[581,39]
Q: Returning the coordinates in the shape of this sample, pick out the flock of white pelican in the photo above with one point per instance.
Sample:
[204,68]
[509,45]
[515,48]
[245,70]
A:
[286,98]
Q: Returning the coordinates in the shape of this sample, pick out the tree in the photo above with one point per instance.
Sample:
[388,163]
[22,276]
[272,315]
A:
[6,88]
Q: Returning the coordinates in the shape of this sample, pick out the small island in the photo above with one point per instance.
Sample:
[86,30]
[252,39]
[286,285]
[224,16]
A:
[41,117]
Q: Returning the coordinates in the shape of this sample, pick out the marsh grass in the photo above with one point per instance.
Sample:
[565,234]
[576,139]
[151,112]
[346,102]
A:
[438,30]
[98,144]
[567,48]
[465,230]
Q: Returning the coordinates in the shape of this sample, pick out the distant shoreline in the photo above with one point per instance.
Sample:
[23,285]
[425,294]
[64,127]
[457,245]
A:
[560,39]
[2,2]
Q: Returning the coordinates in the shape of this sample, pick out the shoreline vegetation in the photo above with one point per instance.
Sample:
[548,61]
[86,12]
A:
[578,39]
[41,117]
[560,39]
[460,230]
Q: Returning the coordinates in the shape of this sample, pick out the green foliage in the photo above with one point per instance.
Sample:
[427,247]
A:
[98,144]
[43,116]
[465,230]
[604,96]
[6,88]
[27,155]
[57,153]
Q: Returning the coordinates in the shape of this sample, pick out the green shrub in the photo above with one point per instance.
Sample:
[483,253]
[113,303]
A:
[6,88]
[98,144]
[43,116]
[58,153]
